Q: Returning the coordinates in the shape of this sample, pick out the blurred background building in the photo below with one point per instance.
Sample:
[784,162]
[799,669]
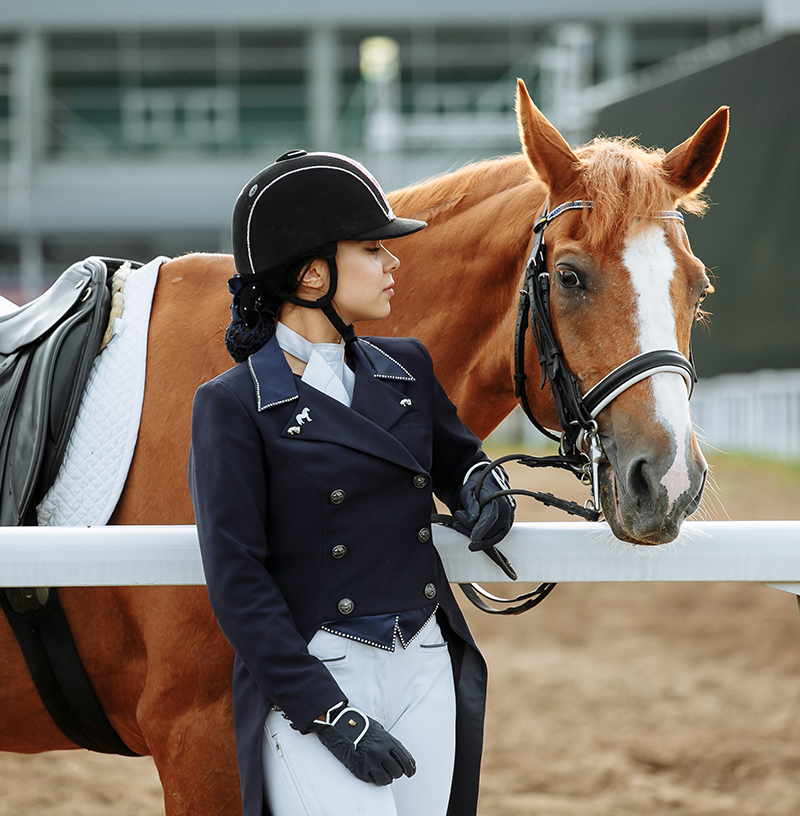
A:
[126,129]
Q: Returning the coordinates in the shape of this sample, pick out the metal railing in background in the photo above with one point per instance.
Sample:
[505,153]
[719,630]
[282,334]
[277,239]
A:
[756,413]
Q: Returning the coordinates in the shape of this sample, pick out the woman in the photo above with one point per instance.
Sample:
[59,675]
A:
[357,687]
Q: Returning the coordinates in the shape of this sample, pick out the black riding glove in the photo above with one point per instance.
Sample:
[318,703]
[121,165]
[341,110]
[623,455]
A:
[488,526]
[363,746]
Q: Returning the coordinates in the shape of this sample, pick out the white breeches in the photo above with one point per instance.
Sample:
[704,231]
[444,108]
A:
[410,692]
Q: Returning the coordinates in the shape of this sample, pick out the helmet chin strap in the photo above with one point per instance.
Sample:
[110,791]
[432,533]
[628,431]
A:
[325,303]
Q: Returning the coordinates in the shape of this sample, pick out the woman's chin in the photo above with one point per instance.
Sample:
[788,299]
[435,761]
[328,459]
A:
[376,314]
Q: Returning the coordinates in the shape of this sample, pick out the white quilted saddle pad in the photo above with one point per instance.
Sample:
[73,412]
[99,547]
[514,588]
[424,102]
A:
[100,449]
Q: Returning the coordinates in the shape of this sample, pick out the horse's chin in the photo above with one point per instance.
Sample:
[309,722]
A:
[632,526]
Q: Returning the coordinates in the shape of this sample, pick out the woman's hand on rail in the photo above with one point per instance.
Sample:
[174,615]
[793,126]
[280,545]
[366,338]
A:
[485,520]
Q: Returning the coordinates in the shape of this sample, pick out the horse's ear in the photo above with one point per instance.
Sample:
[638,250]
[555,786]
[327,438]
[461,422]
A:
[691,164]
[546,149]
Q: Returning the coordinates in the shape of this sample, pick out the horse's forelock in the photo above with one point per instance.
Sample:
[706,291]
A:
[627,186]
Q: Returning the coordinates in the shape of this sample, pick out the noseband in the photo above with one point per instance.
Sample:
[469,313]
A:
[579,446]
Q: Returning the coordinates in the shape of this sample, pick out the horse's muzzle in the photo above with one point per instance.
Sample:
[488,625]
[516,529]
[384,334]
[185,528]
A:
[636,504]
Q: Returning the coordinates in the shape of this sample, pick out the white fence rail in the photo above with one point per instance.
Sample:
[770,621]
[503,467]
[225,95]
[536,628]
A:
[757,551]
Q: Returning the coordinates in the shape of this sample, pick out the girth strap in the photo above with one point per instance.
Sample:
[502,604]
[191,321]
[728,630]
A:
[46,642]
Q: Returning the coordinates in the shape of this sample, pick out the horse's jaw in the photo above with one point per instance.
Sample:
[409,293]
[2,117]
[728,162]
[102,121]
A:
[645,515]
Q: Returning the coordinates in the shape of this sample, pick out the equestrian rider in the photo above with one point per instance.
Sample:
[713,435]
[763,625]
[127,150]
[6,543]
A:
[357,686]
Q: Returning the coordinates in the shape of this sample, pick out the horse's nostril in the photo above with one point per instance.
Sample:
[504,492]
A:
[640,481]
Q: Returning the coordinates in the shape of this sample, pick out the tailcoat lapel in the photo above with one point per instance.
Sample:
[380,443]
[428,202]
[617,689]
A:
[377,405]
[374,395]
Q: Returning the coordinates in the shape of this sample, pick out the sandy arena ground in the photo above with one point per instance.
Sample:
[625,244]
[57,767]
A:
[607,700]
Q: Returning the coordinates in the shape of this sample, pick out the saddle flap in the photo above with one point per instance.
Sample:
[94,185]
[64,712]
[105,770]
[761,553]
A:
[33,320]
[54,342]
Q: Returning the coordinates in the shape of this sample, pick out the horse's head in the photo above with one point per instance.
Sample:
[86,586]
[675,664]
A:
[623,282]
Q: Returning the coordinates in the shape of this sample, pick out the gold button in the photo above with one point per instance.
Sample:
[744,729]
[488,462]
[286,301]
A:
[337,497]
[420,481]
[346,606]
[430,590]
[339,551]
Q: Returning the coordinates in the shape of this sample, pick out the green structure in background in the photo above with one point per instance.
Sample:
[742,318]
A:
[124,127]
[749,236]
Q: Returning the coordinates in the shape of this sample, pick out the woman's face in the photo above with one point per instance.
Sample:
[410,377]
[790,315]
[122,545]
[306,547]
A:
[366,284]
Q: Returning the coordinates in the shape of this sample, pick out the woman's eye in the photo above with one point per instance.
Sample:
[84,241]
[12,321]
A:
[568,278]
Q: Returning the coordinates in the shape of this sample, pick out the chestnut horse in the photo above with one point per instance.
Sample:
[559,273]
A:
[623,281]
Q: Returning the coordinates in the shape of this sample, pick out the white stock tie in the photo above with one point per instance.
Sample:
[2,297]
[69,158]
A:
[325,366]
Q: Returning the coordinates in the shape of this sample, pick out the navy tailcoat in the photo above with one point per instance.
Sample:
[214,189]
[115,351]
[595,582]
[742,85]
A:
[281,475]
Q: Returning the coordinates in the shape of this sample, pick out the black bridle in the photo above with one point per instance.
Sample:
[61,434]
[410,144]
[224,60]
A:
[580,449]
[577,413]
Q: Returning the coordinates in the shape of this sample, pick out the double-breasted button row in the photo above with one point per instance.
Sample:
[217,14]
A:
[424,535]
[337,497]
[420,481]
[346,606]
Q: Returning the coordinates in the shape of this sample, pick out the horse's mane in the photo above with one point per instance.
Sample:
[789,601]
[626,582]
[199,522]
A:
[440,196]
[624,180]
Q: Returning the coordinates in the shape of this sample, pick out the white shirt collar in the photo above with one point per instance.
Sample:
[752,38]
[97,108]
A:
[326,369]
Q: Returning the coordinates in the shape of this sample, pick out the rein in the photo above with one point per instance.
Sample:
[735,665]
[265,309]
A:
[579,449]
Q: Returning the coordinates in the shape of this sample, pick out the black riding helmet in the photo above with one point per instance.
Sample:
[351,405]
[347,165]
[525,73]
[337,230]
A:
[300,203]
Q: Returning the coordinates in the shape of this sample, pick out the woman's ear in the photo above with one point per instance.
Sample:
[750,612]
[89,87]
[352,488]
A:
[314,279]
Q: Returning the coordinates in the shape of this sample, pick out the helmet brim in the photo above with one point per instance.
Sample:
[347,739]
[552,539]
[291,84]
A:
[394,229]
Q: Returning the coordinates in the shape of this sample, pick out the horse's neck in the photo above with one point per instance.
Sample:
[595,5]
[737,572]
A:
[458,291]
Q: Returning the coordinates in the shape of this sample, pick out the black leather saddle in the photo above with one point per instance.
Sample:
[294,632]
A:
[47,348]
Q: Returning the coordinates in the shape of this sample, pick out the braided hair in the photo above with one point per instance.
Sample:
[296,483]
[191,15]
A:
[256,303]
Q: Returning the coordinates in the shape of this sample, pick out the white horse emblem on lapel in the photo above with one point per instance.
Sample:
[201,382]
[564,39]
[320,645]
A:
[303,416]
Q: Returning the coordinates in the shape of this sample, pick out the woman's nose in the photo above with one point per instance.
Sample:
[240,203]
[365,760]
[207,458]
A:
[390,262]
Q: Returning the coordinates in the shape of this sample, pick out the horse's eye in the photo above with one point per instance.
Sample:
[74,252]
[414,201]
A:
[568,278]
[700,314]
[703,295]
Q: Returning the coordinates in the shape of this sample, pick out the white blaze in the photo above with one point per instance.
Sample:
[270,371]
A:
[652,267]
